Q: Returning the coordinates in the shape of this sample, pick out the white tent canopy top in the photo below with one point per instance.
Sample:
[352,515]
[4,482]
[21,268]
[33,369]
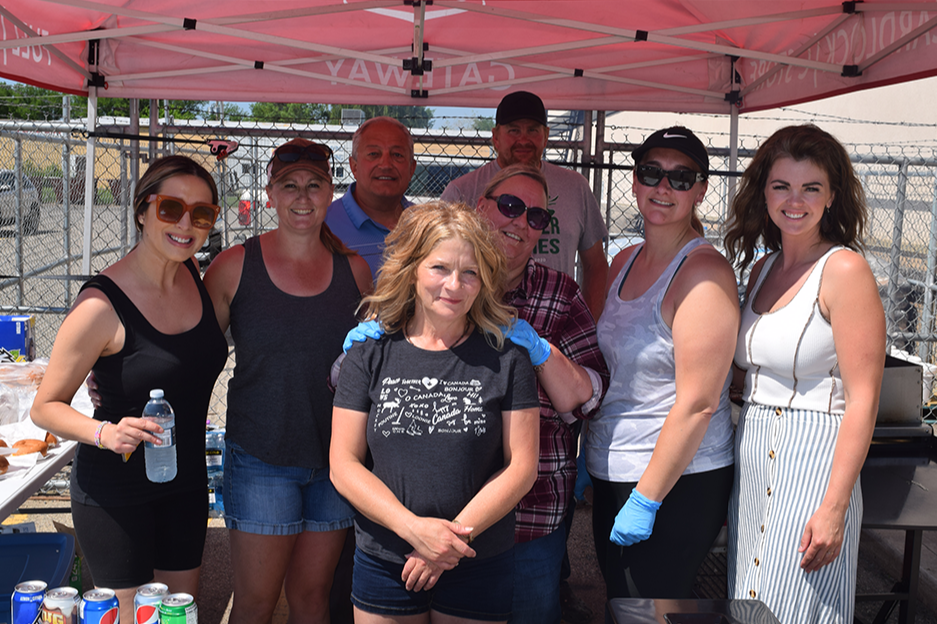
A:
[652,55]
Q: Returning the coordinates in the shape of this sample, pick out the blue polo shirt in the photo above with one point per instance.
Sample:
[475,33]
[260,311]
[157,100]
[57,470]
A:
[357,230]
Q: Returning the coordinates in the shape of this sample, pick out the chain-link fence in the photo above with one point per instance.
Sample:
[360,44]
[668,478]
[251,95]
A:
[43,168]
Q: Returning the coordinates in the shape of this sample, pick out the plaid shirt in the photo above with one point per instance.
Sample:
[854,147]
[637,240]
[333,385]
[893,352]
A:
[553,305]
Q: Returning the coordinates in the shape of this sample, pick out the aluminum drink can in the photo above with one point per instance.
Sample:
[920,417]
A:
[146,603]
[100,606]
[26,602]
[60,606]
[178,609]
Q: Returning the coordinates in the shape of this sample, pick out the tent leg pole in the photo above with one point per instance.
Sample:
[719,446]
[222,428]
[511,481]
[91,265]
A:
[89,181]
[733,153]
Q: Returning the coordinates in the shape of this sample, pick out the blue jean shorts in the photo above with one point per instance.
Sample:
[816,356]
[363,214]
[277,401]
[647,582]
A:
[476,589]
[265,499]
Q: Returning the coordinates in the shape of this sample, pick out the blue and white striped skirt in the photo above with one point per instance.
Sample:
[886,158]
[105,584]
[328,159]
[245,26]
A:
[783,463]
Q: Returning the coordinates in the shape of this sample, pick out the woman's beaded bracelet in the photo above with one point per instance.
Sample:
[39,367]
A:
[97,434]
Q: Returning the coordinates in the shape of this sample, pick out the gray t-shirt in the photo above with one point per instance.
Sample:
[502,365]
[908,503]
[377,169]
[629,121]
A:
[434,428]
[577,221]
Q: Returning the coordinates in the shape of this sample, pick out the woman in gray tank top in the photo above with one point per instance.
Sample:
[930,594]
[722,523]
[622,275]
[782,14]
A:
[660,450]
[289,296]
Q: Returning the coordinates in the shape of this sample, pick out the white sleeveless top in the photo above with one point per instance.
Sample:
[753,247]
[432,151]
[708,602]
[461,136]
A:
[638,347]
[788,355]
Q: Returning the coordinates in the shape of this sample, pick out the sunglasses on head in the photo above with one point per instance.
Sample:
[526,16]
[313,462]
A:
[513,207]
[293,153]
[171,209]
[680,180]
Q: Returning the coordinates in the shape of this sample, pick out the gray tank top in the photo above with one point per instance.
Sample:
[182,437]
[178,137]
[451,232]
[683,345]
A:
[638,347]
[279,408]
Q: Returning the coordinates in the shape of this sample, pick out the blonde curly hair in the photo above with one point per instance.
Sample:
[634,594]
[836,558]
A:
[420,229]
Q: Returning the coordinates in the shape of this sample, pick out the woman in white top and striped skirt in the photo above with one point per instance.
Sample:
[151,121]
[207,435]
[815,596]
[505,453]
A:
[812,348]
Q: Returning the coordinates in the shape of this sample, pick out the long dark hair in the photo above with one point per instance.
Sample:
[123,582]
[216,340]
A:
[160,171]
[843,224]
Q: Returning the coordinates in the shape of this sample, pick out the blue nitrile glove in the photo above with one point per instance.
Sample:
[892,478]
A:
[364,330]
[635,521]
[582,477]
[523,335]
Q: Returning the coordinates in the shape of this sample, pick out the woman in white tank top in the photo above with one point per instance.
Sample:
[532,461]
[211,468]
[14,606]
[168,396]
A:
[812,349]
[663,436]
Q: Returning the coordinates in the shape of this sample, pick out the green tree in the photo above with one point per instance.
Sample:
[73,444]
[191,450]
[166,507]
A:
[483,124]
[290,112]
[23,101]
[410,116]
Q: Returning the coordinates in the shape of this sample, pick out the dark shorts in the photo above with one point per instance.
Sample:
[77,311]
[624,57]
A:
[664,565]
[123,545]
[479,589]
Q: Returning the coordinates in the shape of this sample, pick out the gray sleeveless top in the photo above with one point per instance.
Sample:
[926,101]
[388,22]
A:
[638,347]
[279,407]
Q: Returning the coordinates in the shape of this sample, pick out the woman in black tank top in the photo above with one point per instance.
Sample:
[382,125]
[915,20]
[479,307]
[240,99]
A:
[289,296]
[146,322]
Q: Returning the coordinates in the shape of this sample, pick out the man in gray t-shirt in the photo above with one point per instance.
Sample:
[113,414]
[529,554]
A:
[520,136]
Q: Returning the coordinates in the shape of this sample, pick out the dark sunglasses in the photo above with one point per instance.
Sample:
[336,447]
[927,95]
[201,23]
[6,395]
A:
[680,180]
[512,207]
[293,153]
[171,209]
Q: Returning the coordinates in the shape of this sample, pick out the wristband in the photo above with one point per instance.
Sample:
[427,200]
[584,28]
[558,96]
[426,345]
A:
[97,435]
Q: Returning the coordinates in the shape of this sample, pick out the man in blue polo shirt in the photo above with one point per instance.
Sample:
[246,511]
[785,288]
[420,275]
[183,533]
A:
[382,163]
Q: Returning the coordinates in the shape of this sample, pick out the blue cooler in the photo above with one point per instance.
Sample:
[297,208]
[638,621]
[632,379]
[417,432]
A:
[33,557]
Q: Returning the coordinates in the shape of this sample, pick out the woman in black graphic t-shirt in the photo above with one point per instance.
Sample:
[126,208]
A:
[435,426]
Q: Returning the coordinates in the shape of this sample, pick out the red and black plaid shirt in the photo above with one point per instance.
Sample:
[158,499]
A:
[553,305]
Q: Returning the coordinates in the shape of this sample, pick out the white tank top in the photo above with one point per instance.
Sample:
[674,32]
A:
[788,355]
[638,347]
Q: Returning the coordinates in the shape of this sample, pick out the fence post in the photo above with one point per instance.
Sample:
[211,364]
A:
[599,157]
[18,205]
[927,309]
[891,298]
[124,232]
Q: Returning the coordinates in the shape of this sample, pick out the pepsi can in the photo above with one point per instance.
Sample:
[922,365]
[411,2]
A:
[26,603]
[60,606]
[146,603]
[100,606]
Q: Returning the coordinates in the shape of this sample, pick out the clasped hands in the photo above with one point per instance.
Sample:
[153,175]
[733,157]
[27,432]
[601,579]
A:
[439,545]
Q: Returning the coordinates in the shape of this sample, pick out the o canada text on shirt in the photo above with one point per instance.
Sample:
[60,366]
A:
[430,406]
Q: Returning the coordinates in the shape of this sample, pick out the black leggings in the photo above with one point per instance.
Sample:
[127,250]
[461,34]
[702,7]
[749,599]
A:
[123,545]
[665,565]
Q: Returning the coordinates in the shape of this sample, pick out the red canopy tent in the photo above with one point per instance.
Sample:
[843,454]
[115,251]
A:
[709,56]
[660,55]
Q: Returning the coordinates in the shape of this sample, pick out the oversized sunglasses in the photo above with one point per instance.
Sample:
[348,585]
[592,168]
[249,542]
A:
[680,180]
[293,153]
[513,207]
[170,210]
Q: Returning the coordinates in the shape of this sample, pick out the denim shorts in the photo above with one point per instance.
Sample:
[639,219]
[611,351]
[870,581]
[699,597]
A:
[476,589]
[265,499]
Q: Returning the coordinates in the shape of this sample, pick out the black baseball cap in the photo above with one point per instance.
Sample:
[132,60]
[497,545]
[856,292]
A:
[676,138]
[521,105]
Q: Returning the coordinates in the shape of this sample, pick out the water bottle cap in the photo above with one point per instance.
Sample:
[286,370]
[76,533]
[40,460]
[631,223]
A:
[156,394]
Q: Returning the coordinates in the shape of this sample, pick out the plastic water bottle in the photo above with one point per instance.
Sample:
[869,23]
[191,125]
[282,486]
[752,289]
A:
[161,459]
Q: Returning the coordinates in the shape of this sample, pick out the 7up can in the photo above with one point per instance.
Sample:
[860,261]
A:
[178,609]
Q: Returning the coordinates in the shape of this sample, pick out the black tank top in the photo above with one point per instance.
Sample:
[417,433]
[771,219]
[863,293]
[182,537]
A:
[185,366]
[279,406]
